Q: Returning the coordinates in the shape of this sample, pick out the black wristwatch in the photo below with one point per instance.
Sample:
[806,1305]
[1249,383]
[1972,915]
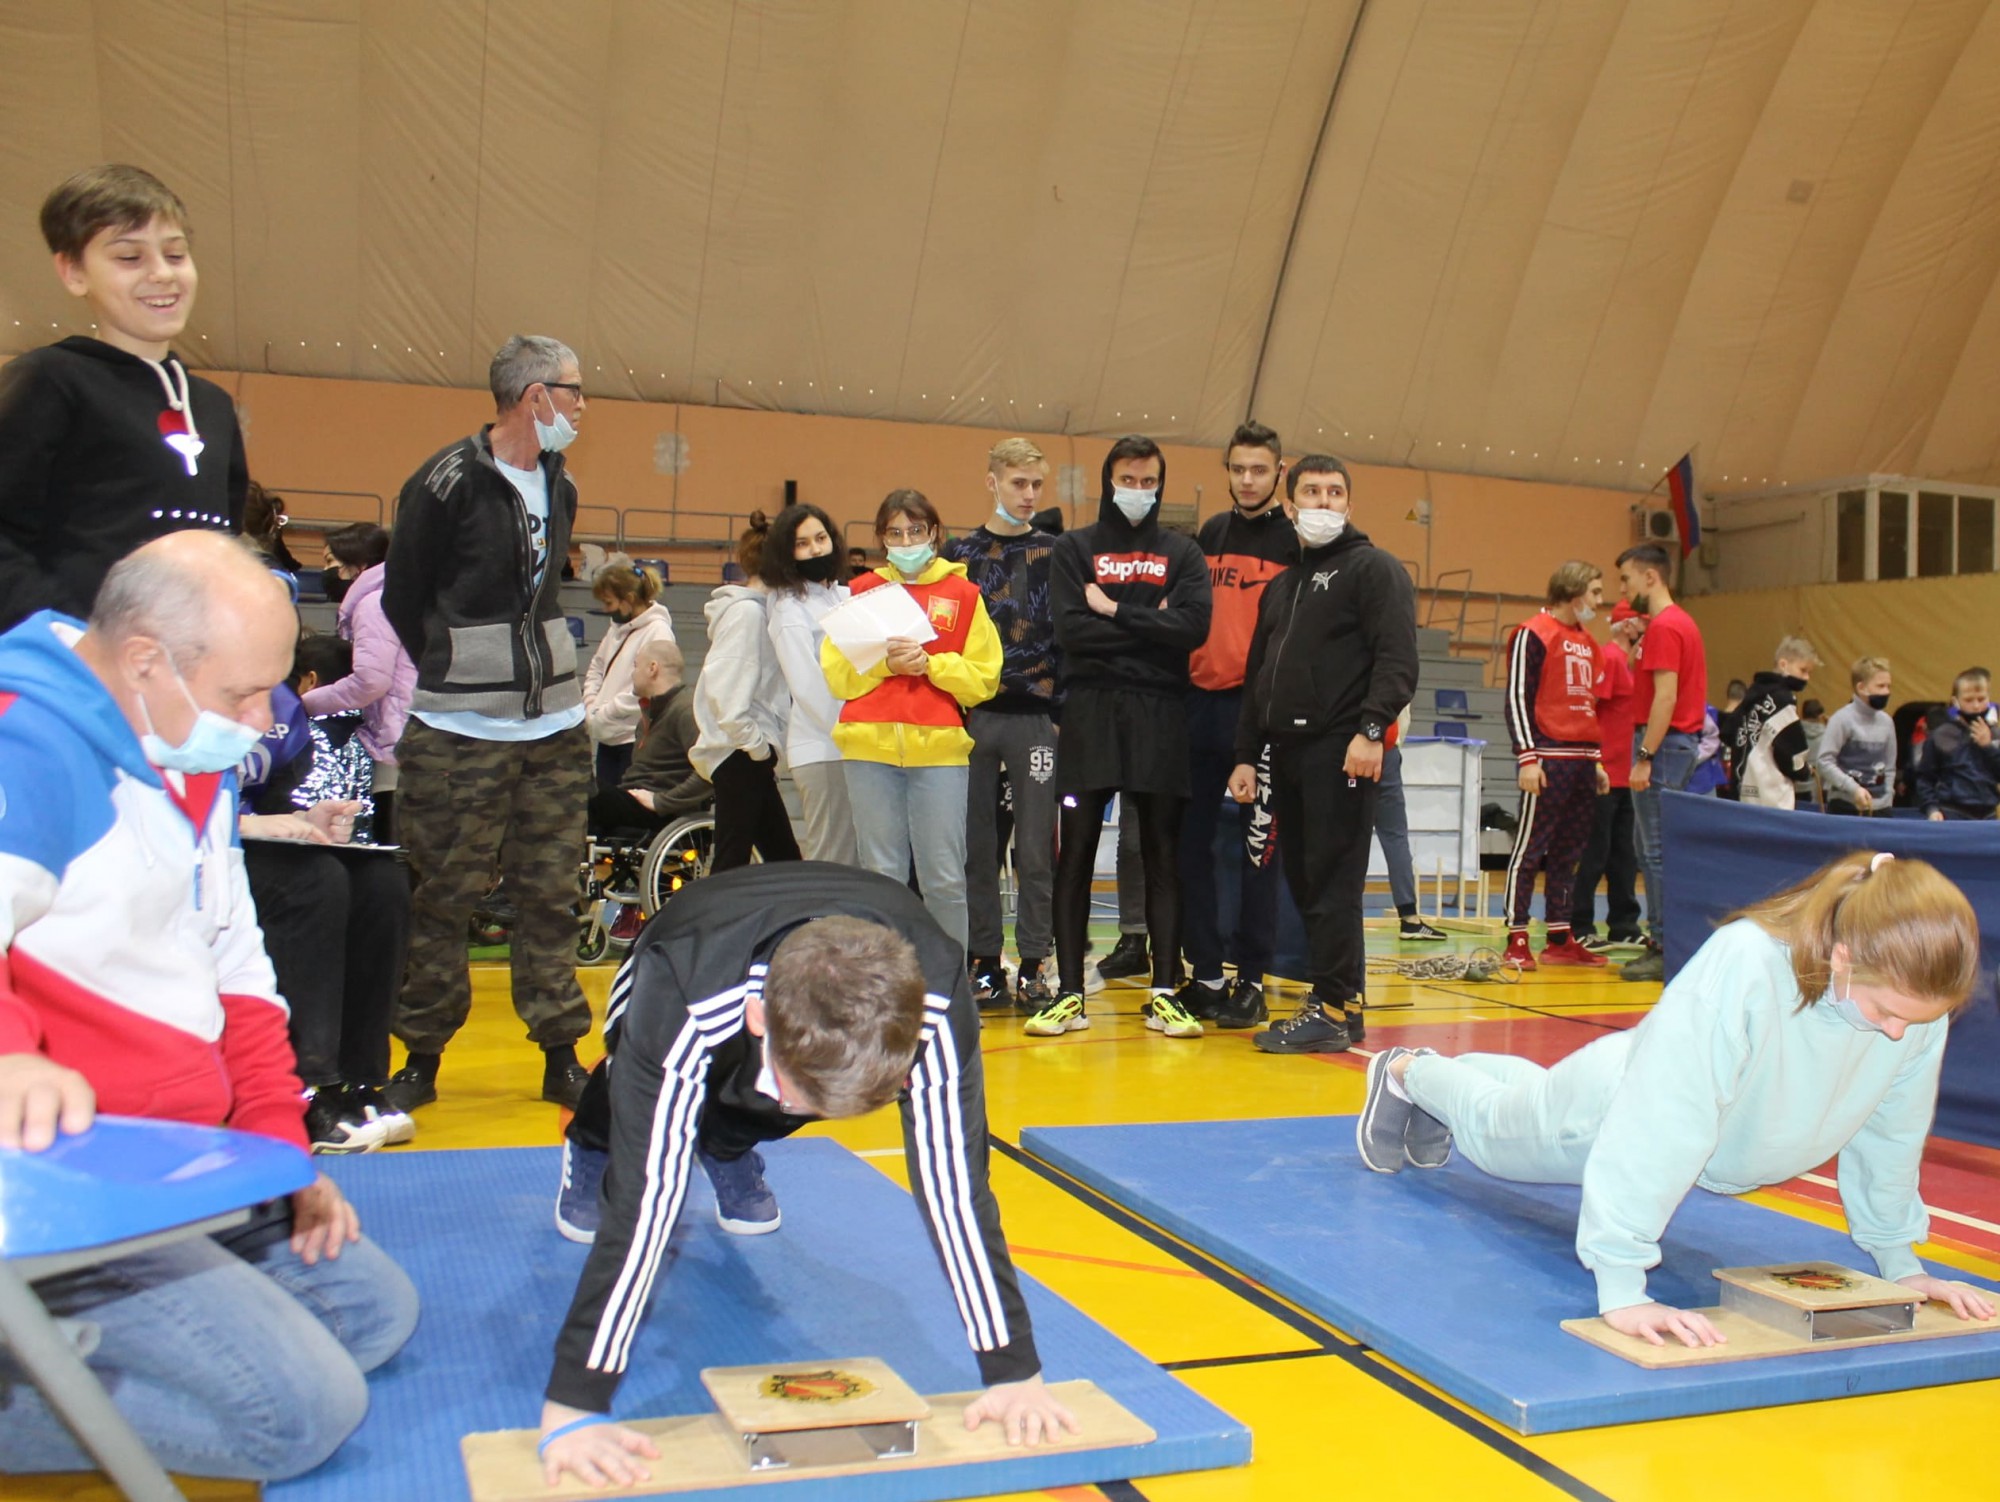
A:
[1372,732]
[1642,754]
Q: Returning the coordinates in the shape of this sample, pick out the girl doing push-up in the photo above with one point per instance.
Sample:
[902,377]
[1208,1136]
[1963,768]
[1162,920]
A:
[1811,1024]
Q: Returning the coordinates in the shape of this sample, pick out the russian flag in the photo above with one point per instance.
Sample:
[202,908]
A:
[1680,487]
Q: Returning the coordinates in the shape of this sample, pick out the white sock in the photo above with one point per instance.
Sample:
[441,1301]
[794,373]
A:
[1213,985]
[1395,1086]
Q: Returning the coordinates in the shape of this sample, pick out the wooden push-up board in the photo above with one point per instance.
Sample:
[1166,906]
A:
[703,1450]
[1788,1309]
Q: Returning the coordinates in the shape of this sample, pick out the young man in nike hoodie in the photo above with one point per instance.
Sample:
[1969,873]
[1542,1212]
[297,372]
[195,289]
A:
[108,442]
[1131,602]
[1332,664]
[1247,547]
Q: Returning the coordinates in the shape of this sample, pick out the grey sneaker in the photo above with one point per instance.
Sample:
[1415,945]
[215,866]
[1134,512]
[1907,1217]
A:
[1652,965]
[1426,1140]
[1385,1116]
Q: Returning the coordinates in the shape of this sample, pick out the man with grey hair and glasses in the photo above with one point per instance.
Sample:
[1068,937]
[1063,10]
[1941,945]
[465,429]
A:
[495,762]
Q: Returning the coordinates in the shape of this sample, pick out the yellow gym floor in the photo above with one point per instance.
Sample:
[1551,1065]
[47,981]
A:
[1337,1419]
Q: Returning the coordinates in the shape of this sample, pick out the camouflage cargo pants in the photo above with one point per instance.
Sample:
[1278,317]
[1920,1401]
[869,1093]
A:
[467,810]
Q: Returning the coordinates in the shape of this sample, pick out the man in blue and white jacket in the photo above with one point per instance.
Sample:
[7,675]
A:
[133,979]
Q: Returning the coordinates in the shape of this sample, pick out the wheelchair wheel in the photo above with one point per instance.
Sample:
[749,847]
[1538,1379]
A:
[678,855]
[593,939]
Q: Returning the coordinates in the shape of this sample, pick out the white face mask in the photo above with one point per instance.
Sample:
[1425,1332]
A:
[555,436]
[1134,503]
[1585,613]
[214,743]
[1320,525]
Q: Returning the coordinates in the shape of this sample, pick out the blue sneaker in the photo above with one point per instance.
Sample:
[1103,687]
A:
[578,1209]
[744,1204]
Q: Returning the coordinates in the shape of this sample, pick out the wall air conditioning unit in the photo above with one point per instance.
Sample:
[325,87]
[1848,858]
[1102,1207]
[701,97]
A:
[1659,526]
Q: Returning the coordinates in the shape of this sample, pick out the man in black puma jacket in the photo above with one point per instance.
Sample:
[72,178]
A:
[761,1000]
[1333,662]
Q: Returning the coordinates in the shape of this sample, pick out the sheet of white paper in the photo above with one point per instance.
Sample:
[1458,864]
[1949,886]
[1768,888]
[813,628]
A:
[862,625]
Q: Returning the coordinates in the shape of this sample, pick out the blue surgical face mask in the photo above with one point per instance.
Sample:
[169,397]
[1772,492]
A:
[555,436]
[215,743]
[914,559]
[1134,503]
[1849,1012]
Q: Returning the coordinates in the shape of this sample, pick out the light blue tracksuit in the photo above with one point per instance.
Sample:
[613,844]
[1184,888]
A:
[1728,1084]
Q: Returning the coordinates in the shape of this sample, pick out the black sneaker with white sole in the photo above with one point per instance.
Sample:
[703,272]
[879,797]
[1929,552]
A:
[399,1126]
[1412,929]
[415,1084]
[338,1123]
[990,992]
[1199,999]
[1128,959]
[1314,1028]
[1243,1007]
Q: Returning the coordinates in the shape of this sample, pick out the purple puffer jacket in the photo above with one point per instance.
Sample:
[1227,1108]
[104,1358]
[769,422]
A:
[384,677]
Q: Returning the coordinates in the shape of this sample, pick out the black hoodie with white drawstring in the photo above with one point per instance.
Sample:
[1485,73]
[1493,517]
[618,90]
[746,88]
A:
[102,451]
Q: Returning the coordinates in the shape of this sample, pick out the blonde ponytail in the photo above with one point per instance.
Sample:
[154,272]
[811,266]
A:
[1905,925]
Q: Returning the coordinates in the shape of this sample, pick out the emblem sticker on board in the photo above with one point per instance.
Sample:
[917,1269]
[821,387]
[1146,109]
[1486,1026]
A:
[1814,1279]
[826,1385]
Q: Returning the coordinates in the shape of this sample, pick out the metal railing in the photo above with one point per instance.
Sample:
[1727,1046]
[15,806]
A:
[376,510]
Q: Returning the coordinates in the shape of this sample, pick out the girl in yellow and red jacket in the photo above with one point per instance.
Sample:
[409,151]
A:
[902,730]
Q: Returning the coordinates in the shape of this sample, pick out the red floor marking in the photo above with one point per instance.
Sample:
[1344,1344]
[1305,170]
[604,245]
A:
[1946,1184]
[1541,1038]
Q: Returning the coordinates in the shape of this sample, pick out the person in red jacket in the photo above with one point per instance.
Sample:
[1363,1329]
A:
[133,979]
[1552,665]
[1612,856]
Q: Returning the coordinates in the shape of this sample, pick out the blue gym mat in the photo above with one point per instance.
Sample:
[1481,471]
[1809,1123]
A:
[1464,1280]
[850,1274]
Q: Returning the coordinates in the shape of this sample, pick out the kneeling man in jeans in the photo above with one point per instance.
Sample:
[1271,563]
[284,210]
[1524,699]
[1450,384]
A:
[133,978]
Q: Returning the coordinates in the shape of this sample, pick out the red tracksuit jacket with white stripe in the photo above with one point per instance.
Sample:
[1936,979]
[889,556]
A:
[1552,690]
[676,1028]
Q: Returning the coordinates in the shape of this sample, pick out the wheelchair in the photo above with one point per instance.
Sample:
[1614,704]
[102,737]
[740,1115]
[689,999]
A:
[628,876]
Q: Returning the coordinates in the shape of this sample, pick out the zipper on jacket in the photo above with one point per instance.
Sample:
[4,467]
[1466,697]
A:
[1291,620]
[525,538]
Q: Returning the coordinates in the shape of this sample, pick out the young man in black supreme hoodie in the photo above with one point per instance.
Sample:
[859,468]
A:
[1131,602]
[1332,664]
[761,1000]
[108,443]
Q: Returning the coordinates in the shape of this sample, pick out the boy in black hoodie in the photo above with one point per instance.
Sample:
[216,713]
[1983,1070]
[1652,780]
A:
[107,443]
[1131,602]
[1332,664]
